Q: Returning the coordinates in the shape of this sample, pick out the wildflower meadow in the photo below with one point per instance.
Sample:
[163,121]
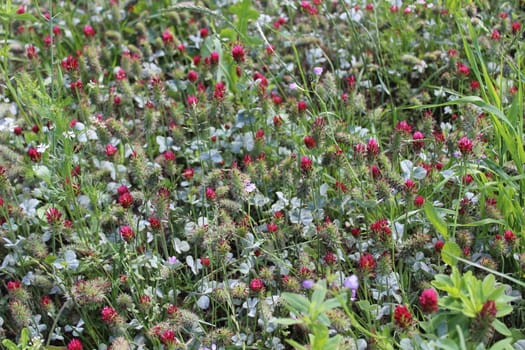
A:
[261,174]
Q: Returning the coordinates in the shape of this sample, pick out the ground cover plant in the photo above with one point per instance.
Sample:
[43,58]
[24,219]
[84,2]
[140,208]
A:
[262,175]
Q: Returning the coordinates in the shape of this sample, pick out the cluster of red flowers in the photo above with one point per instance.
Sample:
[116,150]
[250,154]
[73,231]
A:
[75,344]
[402,316]
[256,285]
[367,263]
[125,198]
[428,300]
[381,227]
[108,314]
[465,145]
[306,164]
[127,233]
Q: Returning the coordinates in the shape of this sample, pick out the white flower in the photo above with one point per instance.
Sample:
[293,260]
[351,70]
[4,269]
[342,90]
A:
[93,85]
[249,186]
[420,67]
[41,148]
[6,123]
[196,39]
[69,134]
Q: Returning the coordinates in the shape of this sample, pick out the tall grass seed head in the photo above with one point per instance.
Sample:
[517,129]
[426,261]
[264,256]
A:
[41,280]
[20,312]
[385,263]
[120,343]
[239,290]
[415,243]
[47,304]
[339,320]
[488,262]
[223,246]
[290,284]
[91,292]
[124,301]
[217,337]
[186,320]
[465,239]
[17,291]
[221,294]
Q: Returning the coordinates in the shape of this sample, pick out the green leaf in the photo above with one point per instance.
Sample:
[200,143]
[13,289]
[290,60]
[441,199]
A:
[488,287]
[451,303]
[497,273]
[50,259]
[318,295]
[453,6]
[501,328]
[24,337]
[296,302]
[493,293]
[332,303]
[9,344]
[450,252]
[447,344]
[244,12]
[25,17]
[209,45]
[442,280]
[287,321]
[364,305]
[462,344]
[477,223]
[42,172]
[228,33]
[503,309]
[469,307]
[323,319]
[436,220]
[333,343]
[319,337]
[504,344]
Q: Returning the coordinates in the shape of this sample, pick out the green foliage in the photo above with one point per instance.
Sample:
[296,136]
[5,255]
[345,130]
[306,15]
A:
[464,312]
[312,315]
[8,14]
[25,343]
[466,294]
[244,185]
[436,220]
[244,12]
[450,252]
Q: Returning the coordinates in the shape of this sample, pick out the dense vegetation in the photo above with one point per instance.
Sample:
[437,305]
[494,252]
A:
[262,175]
